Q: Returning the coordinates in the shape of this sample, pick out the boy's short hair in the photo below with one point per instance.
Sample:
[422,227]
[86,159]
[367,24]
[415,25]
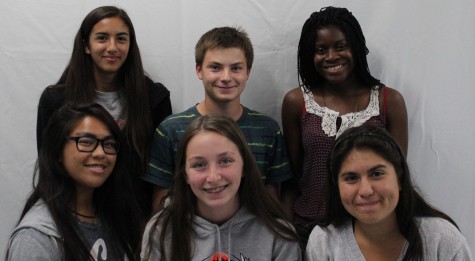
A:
[224,37]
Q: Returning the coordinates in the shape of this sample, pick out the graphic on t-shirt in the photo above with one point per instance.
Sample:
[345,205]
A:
[99,250]
[225,257]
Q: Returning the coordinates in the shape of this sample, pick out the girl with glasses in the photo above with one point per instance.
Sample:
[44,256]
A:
[82,205]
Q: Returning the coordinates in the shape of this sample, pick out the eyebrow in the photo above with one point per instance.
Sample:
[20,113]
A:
[377,166]
[104,33]
[88,134]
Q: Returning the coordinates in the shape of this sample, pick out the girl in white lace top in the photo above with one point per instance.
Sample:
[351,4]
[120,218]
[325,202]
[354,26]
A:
[336,92]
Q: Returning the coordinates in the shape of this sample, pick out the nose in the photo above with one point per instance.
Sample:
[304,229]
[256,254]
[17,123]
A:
[112,46]
[332,54]
[226,75]
[98,152]
[366,188]
[214,174]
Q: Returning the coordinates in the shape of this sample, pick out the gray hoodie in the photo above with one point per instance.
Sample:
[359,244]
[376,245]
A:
[36,237]
[242,238]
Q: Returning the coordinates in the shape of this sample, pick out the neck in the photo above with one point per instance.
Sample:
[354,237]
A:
[82,207]
[232,110]
[218,215]
[105,82]
[383,238]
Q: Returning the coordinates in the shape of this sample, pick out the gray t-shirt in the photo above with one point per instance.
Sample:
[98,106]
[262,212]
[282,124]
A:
[441,240]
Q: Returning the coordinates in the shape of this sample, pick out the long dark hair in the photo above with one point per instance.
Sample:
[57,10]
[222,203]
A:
[347,23]
[410,205]
[177,215]
[79,84]
[114,202]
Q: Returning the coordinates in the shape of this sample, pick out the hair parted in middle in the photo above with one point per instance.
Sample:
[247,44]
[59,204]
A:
[410,205]
[177,215]
[79,84]
[224,37]
[349,26]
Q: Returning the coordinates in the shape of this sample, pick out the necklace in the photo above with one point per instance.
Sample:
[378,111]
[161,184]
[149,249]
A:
[356,99]
[82,215]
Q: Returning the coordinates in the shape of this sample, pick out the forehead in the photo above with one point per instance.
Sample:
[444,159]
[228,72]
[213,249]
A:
[230,55]
[330,33]
[115,24]
[92,125]
[362,160]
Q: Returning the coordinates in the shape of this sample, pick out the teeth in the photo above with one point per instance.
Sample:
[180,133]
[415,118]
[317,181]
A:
[215,190]
[97,167]
[334,68]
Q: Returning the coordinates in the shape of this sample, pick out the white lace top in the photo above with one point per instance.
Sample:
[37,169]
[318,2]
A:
[349,120]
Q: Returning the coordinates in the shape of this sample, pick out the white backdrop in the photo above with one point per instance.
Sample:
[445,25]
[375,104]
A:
[422,48]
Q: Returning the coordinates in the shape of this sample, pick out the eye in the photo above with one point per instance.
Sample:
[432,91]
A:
[198,165]
[350,178]
[110,144]
[214,67]
[377,174]
[226,161]
[101,38]
[236,68]
[341,47]
[86,141]
[320,50]
[122,39]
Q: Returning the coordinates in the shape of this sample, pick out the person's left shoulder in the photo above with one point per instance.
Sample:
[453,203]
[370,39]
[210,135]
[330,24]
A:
[157,91]
[256,116]
[393,96]
[427,224]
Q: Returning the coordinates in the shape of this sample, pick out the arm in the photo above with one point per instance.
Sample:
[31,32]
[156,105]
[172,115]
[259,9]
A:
[159,193]
[160,104]
[291,115]
[397,118]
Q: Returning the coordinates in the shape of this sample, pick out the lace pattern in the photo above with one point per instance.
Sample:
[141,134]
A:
[349,120]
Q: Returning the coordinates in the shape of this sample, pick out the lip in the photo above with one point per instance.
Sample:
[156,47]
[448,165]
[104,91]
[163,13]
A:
[96,168]
[367,203]
[111,58]
[333,68]
[215,190]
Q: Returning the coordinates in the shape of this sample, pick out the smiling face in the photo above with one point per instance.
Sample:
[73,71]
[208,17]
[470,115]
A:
[89,170]
[108,45]
[214,168]
[369,187]
[224,74]
[333,59]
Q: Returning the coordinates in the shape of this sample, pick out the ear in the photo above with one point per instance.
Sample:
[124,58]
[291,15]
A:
[199,71]
[86,49]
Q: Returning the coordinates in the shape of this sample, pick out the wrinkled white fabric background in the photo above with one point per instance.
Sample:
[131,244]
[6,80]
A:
[422,48]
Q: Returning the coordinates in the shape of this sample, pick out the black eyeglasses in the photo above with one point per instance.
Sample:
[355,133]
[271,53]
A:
[89,144]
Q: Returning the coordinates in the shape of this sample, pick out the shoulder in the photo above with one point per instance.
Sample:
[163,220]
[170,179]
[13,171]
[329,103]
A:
[180,119]
[294,97]
[31,244]
[258,118]
[156,89]
[439,227]
[39,218]
[442,237]
[393,96]
[330,237]
[52,94]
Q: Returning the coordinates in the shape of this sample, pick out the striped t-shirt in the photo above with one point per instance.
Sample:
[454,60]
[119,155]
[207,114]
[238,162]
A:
[262,133]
